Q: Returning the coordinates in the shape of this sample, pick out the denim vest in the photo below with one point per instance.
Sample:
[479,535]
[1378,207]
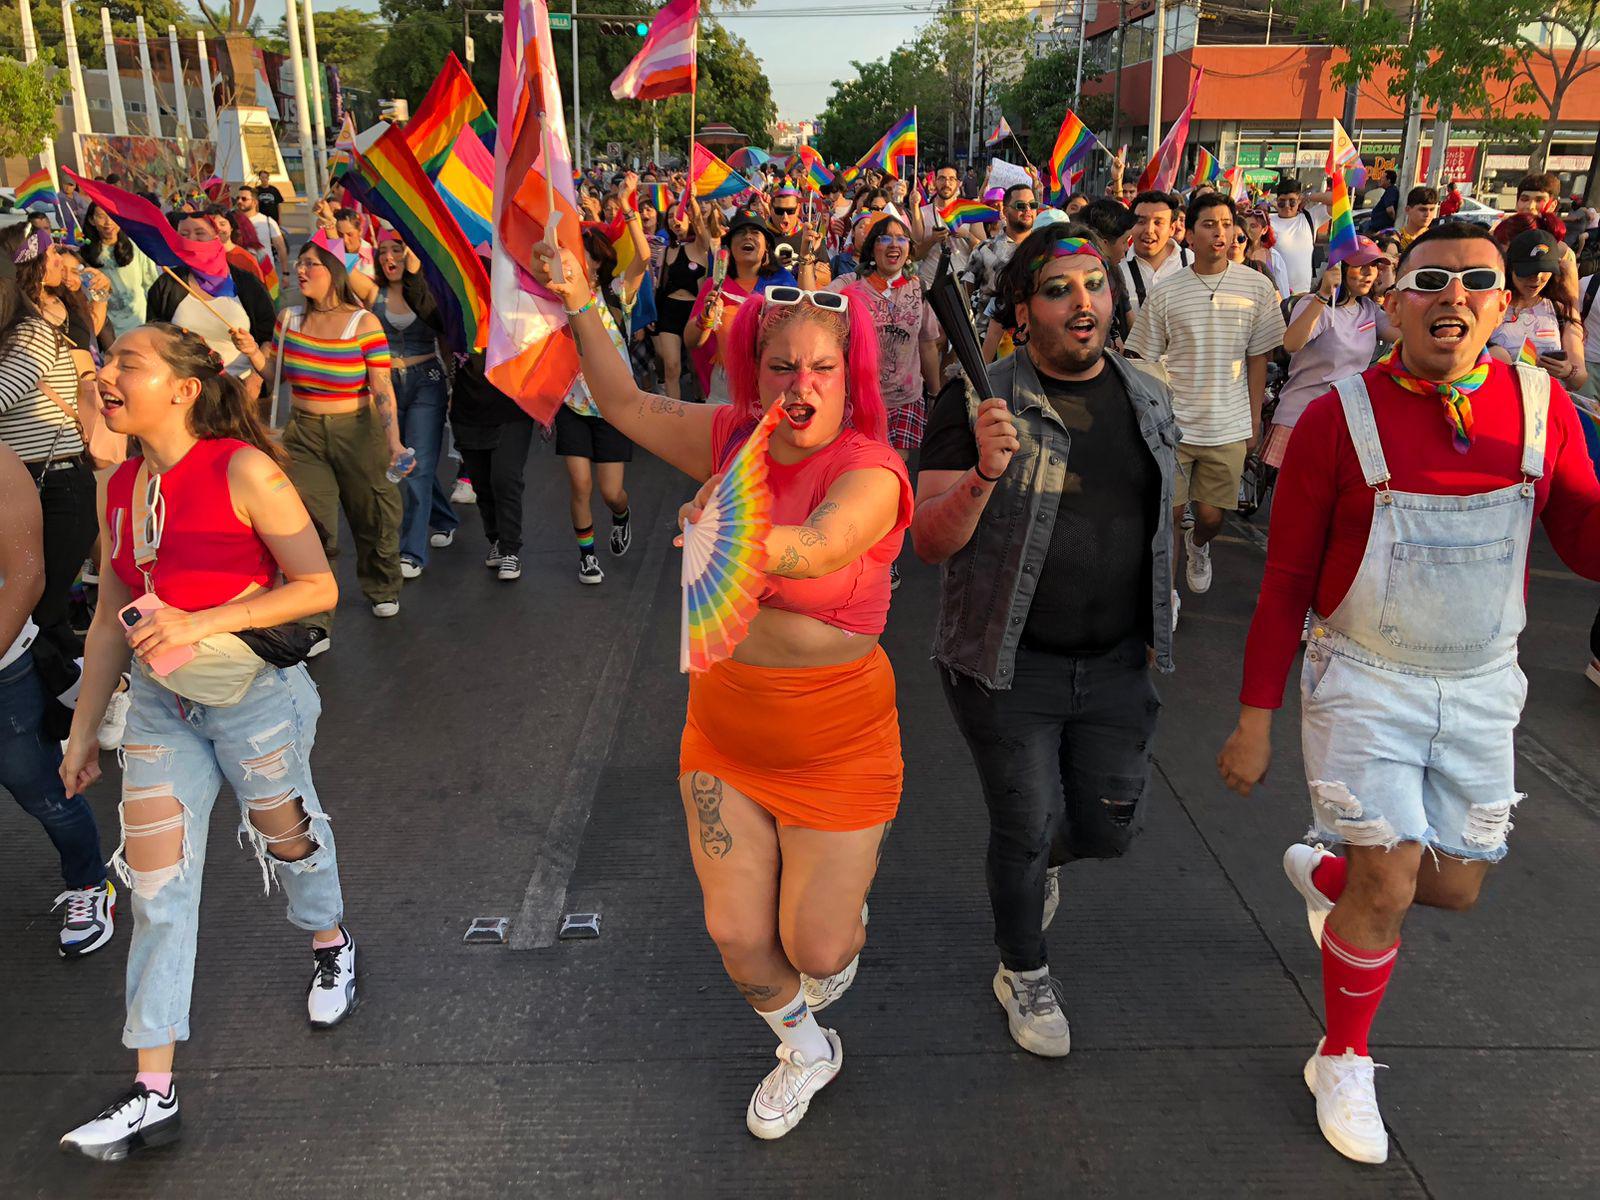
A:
[416,338]
[988,584]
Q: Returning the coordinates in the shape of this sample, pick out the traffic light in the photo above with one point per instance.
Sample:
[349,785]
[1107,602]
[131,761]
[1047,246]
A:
[625,28]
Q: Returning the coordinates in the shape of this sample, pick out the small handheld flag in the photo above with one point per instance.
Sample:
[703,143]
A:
[961,211]
[1001,132]
[36,189]
[1073,141]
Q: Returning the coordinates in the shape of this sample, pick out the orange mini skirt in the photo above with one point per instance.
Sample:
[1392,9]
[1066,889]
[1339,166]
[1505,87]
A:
[817,747]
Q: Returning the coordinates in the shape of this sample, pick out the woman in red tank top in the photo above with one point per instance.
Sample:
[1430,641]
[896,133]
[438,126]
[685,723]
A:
[202,538]
[790,767]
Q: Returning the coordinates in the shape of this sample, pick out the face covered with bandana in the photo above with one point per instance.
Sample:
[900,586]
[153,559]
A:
[1065,315]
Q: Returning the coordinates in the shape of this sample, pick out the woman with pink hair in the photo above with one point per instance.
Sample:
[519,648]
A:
[790,767]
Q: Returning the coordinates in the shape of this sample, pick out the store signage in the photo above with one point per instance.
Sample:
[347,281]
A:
[1506,162]
[1460,162]
[1568,162]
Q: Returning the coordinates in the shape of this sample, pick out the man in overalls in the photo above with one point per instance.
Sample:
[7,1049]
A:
[1401,521]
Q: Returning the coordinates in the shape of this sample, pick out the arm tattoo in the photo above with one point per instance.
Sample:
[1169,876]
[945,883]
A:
[665,404]
[823,511]
[755,992]
[811,537]
[884,837]
[975,491]
[715,840]
[791,560]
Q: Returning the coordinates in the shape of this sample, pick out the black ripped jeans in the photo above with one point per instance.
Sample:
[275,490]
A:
[1064,759]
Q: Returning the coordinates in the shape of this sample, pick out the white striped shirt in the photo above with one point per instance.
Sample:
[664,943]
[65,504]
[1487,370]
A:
[1204,328]
[29,422]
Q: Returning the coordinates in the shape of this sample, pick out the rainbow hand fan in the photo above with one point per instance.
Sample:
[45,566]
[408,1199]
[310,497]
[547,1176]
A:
[724,553]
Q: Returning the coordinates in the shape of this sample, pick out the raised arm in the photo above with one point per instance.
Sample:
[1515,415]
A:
[677,432]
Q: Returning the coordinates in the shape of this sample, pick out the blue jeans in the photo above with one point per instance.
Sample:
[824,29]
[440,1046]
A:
[176,748]
[29,763]
[421,398]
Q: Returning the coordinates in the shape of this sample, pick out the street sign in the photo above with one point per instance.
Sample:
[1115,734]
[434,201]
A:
[560,22]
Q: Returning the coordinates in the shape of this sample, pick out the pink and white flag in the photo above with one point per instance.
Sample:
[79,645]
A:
[665,64]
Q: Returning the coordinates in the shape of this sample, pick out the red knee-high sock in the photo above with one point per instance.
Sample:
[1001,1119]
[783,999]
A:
[1353,983]
[1329,876]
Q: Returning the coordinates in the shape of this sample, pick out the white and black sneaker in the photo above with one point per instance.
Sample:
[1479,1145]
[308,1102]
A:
[493,558]
[136,1120]
[894,577]
[589,570]
[510,568]
[88,924]
[440,538]
[621,537]
[333,983]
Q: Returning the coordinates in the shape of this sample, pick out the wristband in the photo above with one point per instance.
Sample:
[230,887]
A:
[578,312]
[978,471]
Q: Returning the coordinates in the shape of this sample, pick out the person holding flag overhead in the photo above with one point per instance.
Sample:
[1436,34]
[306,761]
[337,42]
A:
[1402,520]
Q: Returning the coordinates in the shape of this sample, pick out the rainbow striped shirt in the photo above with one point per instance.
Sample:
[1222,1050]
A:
[326,369]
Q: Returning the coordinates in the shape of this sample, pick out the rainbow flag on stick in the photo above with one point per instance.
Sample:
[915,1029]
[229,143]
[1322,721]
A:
[1529,354]
[389,180]
[816,176]
[36,189]
[1073,141]
[466,185]
[714,179]
[1001,132]
[898,141]
[451,103]
[1341,224]
[665,64]
[967,212]
[657,195]
[1207,170]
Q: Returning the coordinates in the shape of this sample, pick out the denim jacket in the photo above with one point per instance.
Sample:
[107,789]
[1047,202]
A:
[988,584]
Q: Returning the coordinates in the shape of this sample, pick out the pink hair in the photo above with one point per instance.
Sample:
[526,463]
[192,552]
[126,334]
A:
[863,402]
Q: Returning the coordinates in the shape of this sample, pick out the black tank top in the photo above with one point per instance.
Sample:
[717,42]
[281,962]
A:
[682,274]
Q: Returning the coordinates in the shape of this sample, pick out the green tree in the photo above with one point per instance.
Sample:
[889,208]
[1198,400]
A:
[1537,44]
[860,109]
[346,37]
[49,38]
[1036,102]
[421,33]
[28,98]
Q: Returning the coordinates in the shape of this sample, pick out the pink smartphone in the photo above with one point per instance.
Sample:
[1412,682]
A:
[130,616]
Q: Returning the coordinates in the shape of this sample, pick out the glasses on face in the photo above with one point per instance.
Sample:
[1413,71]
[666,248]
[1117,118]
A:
[1436,279]
[310,264]
[1021,205]
[787,297]
[1242,240]
[894,239]
[877,207]
[786,212]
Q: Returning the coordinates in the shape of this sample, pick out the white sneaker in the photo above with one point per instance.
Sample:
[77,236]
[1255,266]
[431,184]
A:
[115,723]
[386,608]
[321,646]
[1052,895]
[589,570]
[1176,605]
[463,492]
[1593,671]
[333,983]
[89,921]
[1347,1105]
[410,568]
[440,538]
[137,1119]
[1033,1012]
[90,572]
[1197,565]
[784,1095]
[1299,860]
[822,992]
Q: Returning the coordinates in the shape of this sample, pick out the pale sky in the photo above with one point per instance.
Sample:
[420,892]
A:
[802,54]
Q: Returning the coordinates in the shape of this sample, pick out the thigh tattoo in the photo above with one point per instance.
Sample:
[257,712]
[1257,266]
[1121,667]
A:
[715,840]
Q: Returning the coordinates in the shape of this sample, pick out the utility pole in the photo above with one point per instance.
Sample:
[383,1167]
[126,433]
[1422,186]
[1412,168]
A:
[1407,168]
[302,108]
[577,122]
[1353,92]
[1158,51]
[318,124]
[972,93]
[1116,80]
[1083,23]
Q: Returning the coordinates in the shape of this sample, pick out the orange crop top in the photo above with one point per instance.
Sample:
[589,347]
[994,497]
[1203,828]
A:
[854,598]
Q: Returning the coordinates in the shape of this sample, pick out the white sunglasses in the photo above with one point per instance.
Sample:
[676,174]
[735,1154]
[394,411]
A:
[1436,279]
[787,296]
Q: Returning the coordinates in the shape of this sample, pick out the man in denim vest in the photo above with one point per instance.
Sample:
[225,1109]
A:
[1049,505]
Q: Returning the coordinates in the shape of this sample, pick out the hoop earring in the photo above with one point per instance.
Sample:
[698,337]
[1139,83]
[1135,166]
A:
[1020,337]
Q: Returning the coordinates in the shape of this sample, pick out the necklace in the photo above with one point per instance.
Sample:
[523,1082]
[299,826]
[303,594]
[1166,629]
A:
[1207,286]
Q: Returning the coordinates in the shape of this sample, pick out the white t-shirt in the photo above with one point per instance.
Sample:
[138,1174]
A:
[1537,324]
[1136,272]
[1591,323]
[1204,329]
[1297,241]
[204,320]
[268,232]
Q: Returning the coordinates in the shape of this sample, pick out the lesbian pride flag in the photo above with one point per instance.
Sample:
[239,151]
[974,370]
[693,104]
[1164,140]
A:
[1162,172]
[665,64]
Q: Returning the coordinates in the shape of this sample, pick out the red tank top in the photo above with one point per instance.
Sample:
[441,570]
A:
[854,598]
[207,556]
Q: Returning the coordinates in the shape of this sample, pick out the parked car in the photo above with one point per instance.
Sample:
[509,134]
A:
[1474,211]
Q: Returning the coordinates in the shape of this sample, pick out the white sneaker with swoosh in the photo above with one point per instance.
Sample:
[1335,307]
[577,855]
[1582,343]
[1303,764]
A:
[780,1103]
[137,1119]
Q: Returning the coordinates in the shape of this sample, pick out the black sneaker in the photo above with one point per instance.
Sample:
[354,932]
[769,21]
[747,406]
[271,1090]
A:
[493,559]
[621,538]
[136,1120]
[894,577]
[510,568]
[589,570]
[88,924]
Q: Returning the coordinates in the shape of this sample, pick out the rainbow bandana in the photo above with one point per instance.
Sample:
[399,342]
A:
[1065,247]
[1457,395]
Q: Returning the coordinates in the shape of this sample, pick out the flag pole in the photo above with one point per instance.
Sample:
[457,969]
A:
[1020,149]
[557,271]
[694,93]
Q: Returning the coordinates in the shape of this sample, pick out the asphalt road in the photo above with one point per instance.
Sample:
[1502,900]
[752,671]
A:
[510,750]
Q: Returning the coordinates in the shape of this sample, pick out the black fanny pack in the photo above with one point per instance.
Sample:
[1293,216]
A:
[282,645]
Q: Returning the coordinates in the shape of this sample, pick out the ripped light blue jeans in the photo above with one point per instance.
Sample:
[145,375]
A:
[175,748]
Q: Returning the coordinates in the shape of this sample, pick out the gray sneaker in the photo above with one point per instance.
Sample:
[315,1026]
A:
[1052,895]
[1033,1011]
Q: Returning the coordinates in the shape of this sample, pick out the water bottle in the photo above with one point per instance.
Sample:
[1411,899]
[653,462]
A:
[401,466]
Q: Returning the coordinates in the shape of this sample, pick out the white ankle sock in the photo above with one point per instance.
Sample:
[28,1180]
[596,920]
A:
[798,1029]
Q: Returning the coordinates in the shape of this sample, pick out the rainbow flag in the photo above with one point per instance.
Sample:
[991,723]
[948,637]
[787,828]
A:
[898,141]
[1162,172]
[713,178]
[1207,170]
[816,174]
[657,195]
[451,103]
[466,185]
[1073,141]
[1589,418]
[665,64]
[961,211]
[36,189]
[1341,224]
[388,179]
[1001,132]
[148,228]
[1529,354]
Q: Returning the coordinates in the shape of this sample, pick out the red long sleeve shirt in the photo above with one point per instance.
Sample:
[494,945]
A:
[1322,506]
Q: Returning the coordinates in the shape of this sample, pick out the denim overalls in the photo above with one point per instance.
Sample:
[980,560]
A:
[1410,689]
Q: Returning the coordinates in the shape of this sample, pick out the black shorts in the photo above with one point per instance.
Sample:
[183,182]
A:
[578,436]
[672,316]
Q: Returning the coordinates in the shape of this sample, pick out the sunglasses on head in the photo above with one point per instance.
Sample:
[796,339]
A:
[1436,279]
[786,297]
